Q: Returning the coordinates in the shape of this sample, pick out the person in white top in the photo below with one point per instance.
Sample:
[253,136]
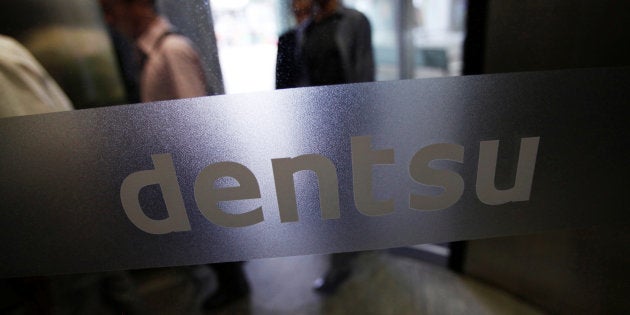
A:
[170,65]
[171,69]
[25,86]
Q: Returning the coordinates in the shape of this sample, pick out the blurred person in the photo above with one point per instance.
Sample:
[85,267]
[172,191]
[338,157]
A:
[337,49]
[338,45]
[169,64]
[25,86]
[124,52]
[170,68]
[290,70]
[127,65]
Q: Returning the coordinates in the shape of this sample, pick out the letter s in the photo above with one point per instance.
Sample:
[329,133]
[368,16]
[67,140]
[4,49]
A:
[452,182]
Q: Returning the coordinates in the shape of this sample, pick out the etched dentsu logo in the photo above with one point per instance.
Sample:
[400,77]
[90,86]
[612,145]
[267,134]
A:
[363,159]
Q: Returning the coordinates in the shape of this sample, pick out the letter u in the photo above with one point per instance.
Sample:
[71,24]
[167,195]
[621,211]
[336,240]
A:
[486,172]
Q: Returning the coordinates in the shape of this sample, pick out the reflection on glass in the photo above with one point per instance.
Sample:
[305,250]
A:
[69,39]
[383,18]
[193,19]
[428,34]
[438,36]
[246,36]
[411,38]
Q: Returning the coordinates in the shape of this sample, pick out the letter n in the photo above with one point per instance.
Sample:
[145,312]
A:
[283,170]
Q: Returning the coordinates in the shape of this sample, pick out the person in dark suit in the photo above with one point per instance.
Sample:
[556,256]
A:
[337,46]
[332,44]
[290,70]
[337,49]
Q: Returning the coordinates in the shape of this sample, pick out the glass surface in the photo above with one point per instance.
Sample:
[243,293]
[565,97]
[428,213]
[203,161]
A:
[237,42]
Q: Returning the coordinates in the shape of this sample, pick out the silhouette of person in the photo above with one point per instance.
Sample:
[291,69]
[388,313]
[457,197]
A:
[337,49]
[338,46]
[26,88]
[290,69]
[170,68]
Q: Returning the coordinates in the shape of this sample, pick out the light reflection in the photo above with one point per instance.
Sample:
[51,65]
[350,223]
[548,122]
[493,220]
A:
[247,34]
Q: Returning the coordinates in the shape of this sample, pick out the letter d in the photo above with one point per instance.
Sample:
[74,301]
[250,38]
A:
[163,175]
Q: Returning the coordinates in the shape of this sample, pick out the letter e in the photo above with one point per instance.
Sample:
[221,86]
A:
[208,197]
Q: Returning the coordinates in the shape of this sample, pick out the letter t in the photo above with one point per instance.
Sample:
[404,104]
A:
[363,158]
